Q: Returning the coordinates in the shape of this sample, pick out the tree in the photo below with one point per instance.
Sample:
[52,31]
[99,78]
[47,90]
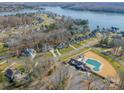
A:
[62,80]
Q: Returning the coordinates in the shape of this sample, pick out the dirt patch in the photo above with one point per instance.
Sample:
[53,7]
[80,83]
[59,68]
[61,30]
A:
[107,70]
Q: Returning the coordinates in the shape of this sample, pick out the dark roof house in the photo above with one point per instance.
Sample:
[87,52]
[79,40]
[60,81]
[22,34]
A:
[9,74]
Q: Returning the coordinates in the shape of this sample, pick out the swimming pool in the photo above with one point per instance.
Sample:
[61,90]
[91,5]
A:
[96,65]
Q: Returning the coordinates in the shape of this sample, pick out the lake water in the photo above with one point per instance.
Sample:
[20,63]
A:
[95,18]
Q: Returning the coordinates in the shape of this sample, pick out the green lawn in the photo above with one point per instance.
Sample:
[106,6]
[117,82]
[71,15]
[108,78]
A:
[65,50]
[83,42]
[3,66]
[81,35]
[77,45]
[69,56]
[3,50]
[86,41]
[122,59]
[48,55]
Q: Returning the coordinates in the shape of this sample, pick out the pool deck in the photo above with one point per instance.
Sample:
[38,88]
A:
[107,70]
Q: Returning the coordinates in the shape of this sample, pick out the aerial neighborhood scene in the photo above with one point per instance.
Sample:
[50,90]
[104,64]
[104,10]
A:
[61,46]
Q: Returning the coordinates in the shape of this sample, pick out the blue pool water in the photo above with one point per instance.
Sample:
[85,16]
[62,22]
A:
[96,65]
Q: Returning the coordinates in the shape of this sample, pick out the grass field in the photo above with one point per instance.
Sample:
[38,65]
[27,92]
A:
[71,55]
[65,50]
[46,55]
[2,67]
[83,42]
[3,50]
[77,45]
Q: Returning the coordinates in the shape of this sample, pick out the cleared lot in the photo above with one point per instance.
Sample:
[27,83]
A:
[106,70]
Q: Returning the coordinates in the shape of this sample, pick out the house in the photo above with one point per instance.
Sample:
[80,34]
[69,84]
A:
[79,65]
[29,52]
[46,47]
[81,38]
[114,29]
[63,45]
[14,75]
[9,74]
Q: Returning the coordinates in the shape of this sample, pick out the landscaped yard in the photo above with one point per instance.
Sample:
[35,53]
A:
[47,55]
[71,55]
[3,50]
[88,40]
[65,50]
[47,20]
[77,45]
[83,42]
[3,66]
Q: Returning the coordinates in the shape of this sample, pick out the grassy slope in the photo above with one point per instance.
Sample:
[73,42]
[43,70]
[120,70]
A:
[115,64]
[66,58]
[65,50]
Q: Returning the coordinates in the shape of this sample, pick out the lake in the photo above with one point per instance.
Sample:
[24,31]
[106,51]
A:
[95,18]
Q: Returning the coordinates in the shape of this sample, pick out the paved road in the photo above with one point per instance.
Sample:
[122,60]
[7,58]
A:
[72,46]
[52,51]
[89,44]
